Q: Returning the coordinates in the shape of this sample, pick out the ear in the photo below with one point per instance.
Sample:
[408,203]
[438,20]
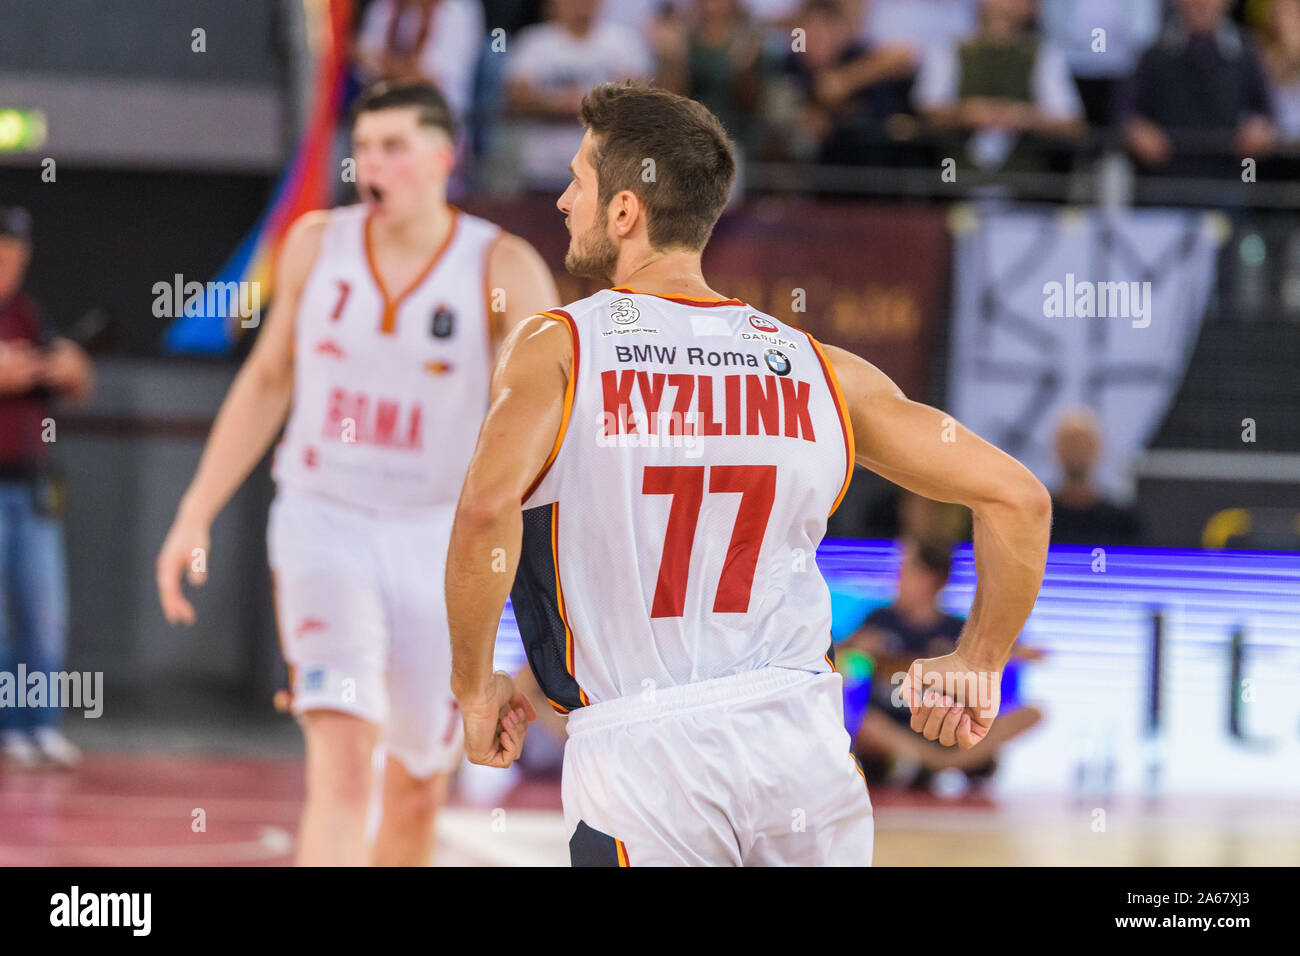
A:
[625,211]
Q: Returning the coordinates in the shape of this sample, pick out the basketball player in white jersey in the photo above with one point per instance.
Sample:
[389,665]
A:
[381,339]
[677,454]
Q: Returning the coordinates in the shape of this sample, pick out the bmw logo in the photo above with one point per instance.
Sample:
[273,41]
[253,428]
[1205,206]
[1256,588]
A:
[777,361]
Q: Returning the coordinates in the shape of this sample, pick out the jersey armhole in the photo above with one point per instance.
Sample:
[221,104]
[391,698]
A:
[569,389]
[842,410]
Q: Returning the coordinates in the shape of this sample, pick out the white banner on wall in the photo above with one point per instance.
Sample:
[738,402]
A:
[1056,308]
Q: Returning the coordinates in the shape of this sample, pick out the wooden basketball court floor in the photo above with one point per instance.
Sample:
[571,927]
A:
[146,809]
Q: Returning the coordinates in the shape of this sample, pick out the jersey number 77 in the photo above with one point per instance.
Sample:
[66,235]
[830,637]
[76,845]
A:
[756,485]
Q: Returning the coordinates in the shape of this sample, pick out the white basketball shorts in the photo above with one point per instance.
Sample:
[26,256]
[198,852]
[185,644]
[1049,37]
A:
[748,770]
[363,621]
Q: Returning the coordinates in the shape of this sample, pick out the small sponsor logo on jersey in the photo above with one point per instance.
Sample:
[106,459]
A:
[624,312]
[443,323]
[437,367]
[629,330]
[712,324]
[777,361]
[307,625]
[778,340]
[329,347]
[762,324]
[309,457]
[314,679]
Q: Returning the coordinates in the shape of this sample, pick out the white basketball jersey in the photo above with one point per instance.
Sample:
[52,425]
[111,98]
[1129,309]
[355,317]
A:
[390,387]
[672,536]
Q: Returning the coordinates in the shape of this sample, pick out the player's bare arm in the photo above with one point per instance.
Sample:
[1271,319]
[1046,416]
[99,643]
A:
[520,284]
[523,420]
[249,419]
[928,452]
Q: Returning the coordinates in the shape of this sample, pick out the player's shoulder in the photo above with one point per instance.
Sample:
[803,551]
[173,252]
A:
[304,239]
[310,228]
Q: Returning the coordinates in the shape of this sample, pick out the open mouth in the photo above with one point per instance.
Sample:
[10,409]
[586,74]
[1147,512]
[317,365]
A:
[372,194]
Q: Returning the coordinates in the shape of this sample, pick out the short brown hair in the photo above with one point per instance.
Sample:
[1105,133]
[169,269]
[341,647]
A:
[693,163]
[430,105]
[933,554]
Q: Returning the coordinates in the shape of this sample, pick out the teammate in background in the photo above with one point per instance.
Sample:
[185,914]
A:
[381,338]
[677,454]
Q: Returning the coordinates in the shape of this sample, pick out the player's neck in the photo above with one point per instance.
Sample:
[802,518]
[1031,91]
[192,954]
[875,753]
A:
[673,272]
[425,230]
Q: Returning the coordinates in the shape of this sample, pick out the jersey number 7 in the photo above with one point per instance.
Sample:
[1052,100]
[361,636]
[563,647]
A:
[756,485]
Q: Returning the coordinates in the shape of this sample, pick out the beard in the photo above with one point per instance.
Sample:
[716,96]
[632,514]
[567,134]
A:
[595,257]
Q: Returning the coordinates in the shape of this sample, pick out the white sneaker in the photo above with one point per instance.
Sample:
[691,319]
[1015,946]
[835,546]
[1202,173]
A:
[19,750]
[56,748]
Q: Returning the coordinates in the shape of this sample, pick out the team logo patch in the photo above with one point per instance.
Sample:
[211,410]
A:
[762,324]
[444,322]
[314,679]
[624,312]
[777,361]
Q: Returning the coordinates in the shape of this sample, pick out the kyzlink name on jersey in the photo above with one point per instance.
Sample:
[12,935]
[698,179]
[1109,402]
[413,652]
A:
[696,405]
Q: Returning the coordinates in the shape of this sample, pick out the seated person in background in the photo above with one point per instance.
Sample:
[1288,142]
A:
[1080,513]
[1282,61]
[433,40]
[1130,27]
[1203,83]
[1012,93]
[849,90]
[901,514]
[914,626]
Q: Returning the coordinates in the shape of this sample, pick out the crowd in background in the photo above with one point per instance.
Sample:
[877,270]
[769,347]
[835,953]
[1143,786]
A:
[1187,87]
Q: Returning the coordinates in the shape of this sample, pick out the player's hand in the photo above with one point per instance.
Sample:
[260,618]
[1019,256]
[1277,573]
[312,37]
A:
[184,551]
[495,724]
[951,700]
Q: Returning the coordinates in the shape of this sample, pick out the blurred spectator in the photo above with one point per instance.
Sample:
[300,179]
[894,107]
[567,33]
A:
[550,68]
[1005,91]
[1200,91]
[434,40]
[777,14]
[1080,512]
[848,88]
[900,513]
[712,54]
[912,627]
[34,368]
[918,26]
[635,14]
[1282,60]
[1100,63]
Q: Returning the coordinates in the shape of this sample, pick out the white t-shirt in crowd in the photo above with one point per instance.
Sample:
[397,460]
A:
[551,58]
[919,24]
